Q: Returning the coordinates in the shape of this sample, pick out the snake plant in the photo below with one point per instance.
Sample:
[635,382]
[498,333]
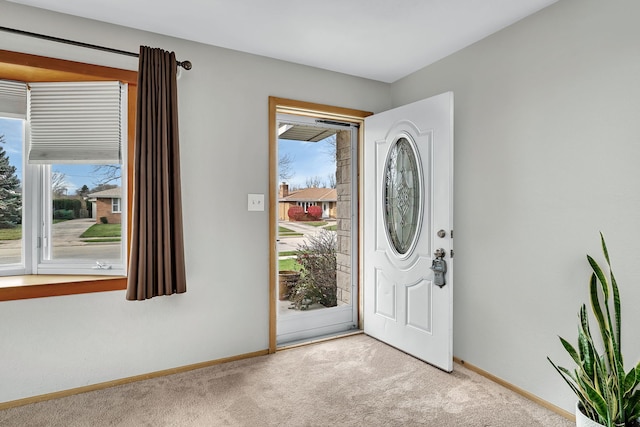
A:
[605,392]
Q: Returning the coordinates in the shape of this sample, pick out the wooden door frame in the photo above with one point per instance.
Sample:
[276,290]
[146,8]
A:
[321,111]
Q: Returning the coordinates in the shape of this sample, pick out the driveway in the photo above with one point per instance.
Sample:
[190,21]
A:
[68,233]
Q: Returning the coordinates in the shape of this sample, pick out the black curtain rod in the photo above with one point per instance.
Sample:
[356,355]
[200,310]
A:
[184,64]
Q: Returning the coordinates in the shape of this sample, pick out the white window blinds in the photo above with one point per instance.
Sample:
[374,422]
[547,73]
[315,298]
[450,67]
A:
[77,122]
[13,98]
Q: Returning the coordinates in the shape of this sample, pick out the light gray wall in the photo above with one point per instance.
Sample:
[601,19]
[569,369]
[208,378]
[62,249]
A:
[547,154]
[57,343]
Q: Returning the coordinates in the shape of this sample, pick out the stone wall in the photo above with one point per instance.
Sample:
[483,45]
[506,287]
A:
[343,215]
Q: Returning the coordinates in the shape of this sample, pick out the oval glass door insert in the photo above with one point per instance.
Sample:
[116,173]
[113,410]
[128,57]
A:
[402,194]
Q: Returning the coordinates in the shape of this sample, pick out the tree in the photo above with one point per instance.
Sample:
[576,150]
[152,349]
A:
[332,149]
[285,167]
[106,174]
[10,193]
[331,179]
[314,182]
[82,192]
[59,183]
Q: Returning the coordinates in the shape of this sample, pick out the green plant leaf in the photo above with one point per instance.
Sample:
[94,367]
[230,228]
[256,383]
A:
[585,344]
[598,402]
[572,351]
[569,378]
[601,277]
[603,323]
[630,381]
[607,394]
[632,410]
[595,302]
[618,314]
[605,252]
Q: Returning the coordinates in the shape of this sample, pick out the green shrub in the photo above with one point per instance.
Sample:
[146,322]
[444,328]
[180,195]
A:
[318,282]
[63,214]
[73,205]
[104,220]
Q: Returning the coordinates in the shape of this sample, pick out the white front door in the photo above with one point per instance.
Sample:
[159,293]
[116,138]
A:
[408,216]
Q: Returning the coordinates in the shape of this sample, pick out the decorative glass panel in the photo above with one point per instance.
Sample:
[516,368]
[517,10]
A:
[402,195]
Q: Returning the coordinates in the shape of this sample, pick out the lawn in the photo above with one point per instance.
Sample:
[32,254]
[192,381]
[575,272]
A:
[103,230]
[286,232]
[287,253]
[11,233]
[316,223]
[288,264]
[331,227]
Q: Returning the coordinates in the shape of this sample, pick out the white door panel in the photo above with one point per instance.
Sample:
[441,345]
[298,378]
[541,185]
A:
[408,194]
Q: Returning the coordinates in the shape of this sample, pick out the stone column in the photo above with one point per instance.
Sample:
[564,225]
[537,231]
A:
[343,216]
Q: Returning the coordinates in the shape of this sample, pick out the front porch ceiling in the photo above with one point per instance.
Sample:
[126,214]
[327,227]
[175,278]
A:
[304,133]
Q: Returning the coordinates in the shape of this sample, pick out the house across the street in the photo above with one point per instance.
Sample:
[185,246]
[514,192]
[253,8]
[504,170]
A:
[106,204]
[326,198]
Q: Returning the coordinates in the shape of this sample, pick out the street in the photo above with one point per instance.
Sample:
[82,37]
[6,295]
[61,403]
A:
[67,244]
[286,243]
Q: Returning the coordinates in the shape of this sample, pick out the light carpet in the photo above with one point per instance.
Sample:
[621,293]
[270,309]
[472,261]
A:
[353,381]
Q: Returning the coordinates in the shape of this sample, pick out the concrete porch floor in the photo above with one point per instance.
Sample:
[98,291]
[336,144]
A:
[284,310]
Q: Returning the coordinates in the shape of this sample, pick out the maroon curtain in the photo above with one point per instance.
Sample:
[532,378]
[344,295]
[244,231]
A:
[156,262]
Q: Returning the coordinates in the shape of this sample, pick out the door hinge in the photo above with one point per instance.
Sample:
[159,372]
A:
[451,253]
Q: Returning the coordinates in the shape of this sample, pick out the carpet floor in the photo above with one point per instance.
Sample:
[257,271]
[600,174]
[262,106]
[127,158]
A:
[353,381]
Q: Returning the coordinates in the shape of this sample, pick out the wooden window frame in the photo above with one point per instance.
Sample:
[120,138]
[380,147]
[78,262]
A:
[33,68]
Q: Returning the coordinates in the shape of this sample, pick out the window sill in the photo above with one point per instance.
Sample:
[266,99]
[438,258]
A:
[39,286]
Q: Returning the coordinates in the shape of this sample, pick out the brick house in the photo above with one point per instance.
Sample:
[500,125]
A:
[326,198]
[107,204]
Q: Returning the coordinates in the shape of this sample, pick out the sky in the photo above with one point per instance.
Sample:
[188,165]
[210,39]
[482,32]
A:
[76,175]
[310,159]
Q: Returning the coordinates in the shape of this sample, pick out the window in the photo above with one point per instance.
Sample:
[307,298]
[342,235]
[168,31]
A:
[17,66]
[115,205]
[305,205]
[61,152]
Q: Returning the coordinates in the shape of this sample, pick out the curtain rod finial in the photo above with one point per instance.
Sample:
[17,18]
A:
[186,65]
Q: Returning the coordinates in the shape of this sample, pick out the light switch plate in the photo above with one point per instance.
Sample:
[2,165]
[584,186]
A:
[256,202]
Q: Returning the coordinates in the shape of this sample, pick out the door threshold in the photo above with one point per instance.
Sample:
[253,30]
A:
[322,338]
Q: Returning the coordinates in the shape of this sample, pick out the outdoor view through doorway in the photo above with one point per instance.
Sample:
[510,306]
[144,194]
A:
[316,227]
